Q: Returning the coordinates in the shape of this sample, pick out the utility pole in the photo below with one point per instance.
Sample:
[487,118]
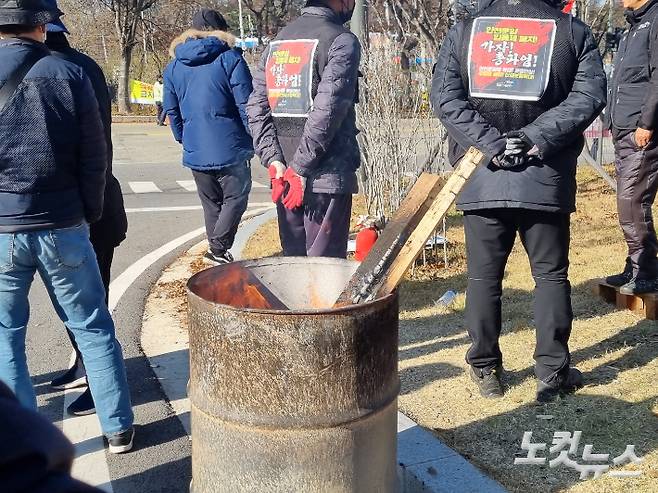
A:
[244,44]
[359,23]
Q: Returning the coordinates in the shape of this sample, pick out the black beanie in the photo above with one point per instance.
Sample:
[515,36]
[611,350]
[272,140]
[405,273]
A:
[209,20]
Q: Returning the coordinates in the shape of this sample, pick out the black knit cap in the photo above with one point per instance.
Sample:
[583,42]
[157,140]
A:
[209,20]
[27,13]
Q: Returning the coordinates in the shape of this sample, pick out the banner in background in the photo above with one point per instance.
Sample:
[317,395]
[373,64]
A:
[510,57]
[141,92]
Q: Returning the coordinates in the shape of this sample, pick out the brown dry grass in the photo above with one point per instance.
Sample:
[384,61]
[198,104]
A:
[616,350]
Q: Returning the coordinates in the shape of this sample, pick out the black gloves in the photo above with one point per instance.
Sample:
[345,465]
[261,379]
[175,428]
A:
[518,150]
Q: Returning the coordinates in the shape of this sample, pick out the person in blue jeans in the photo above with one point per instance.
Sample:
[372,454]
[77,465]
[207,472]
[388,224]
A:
[53,160]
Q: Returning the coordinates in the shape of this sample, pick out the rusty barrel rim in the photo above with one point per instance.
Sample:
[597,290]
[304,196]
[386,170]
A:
[277,261]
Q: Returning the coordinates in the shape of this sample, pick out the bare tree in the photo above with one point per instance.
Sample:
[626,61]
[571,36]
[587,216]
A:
[425,21]
[399,135]
[128,16]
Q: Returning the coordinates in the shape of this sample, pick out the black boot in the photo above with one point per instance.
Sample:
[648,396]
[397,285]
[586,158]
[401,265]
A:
[562,385]
[488,381]
[622,278]
[83,405]
[74,377]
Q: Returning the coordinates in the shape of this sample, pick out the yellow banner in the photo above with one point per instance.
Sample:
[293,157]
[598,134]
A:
[141,92]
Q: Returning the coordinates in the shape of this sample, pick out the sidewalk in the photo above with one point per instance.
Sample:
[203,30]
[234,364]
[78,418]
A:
[425,464]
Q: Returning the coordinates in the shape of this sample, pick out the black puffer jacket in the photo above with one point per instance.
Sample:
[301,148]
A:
[52,146]
[633,99]
[111,229]
[567,108]
[319,143]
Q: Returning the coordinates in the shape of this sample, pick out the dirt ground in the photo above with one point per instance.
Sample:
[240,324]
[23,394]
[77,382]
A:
[617,351]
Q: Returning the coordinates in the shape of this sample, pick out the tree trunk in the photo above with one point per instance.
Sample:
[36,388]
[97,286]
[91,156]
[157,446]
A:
[123,97]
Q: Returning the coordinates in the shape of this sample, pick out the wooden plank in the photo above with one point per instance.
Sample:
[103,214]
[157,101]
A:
[405,236]
[406,218]
[430,221]
[645,305]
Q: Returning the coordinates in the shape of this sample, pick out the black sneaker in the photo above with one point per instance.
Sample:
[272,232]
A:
[621,278]
[122,442]
[488,383]
[74,377]
[219,258]
[83,405]
[548,392]
[638,286]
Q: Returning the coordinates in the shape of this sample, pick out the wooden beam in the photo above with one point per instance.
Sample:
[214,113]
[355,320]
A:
[406,234]
[430,221]
[406,218]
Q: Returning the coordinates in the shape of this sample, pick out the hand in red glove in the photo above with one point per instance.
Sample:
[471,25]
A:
[276,170]
[297,184]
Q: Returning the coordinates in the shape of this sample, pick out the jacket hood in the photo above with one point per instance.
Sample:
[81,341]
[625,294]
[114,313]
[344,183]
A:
[195,47]
[635,16]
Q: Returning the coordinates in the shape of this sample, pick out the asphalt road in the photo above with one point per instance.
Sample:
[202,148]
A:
[161,461]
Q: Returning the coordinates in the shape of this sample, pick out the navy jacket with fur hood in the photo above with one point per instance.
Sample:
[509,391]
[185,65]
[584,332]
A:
[206,87]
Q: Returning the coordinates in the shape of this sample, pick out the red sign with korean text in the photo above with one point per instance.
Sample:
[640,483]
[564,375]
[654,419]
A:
[510,57]
[289,77]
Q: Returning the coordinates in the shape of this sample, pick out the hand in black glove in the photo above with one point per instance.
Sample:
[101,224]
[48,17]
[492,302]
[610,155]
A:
[518,150]
[518,144]
[509,162]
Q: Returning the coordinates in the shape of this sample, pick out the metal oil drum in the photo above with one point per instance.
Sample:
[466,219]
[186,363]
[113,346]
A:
[298,400]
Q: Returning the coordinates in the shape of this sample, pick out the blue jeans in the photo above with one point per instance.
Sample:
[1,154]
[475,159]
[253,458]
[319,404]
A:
[66,263]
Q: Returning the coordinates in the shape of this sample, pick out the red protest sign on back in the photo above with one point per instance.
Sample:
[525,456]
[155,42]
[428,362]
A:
[289,76]
[510,57]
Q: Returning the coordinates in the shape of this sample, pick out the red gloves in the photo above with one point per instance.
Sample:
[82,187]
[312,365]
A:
[295,196]
[276,170]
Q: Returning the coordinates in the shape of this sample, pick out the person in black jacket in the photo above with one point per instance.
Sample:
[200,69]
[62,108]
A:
[110,230]
[53,161]
[528,120]
[632,115]
[303,121]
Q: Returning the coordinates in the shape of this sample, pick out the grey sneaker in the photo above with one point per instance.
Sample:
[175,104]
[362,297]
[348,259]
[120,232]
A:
[488,381]
[638,286]
[548,392]
[121,442]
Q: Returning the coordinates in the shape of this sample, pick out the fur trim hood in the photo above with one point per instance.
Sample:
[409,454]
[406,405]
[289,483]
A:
[228,38]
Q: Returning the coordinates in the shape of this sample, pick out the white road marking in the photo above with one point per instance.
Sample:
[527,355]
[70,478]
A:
[143,187]
[189,185]
[187,207]
[90,464]
[255,184]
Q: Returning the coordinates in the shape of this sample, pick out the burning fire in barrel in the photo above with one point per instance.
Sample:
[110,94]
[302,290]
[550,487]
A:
[288,393]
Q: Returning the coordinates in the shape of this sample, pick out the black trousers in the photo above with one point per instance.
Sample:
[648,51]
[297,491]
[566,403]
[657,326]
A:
[224,196]
[637,184]
[320,228]
[490,236]
[161,115]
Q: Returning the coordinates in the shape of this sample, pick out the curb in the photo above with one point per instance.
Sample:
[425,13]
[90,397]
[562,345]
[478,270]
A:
[425,464]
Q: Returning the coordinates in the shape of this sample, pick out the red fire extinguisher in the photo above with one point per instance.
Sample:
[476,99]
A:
[367,236]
